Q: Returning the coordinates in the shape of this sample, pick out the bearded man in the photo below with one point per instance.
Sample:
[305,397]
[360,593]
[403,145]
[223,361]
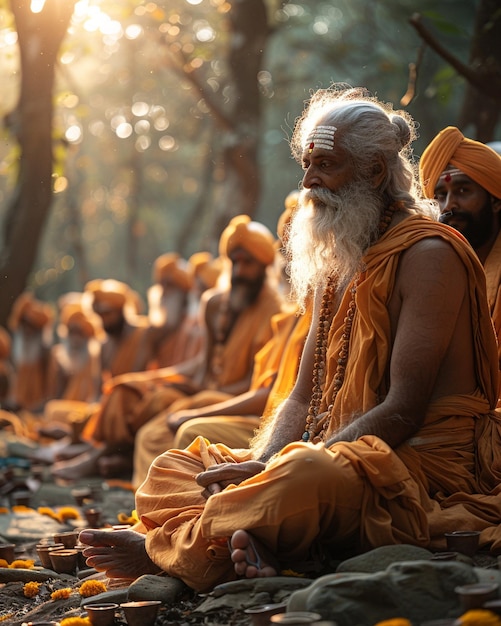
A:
[237,322]
[389,435]
[464,176]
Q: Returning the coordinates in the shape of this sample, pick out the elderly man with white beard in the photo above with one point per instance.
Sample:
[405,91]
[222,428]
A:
[387,437]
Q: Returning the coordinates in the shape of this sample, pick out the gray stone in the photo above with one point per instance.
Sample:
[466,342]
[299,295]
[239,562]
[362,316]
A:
[163,588]
[251,592]
[14,574]
[380,558]
[416,590]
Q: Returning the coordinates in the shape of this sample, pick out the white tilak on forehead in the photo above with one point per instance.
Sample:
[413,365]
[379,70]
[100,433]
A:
[448,174]
[321,137]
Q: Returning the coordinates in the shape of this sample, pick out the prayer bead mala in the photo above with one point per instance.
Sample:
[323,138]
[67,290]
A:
[317,425]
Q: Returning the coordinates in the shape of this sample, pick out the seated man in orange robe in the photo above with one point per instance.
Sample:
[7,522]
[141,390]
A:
[389,435]
[30,323]
[464,176]
[237,321]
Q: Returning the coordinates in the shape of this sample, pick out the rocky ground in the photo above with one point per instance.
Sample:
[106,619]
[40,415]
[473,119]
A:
[31,508]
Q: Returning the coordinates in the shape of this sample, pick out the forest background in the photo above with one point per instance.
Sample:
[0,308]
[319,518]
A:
[133,128]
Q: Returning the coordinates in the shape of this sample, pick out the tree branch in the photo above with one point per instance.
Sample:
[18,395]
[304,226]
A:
[483,79]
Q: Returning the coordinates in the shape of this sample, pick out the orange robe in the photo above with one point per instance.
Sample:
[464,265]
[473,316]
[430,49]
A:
[492,267]
[276,365]
[29,385]
[133,404]
[359,494]
[250,334]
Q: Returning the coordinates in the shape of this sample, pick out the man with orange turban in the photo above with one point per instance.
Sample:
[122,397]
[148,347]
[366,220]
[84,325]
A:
[174,332]
[238,324]
[464,176]
[389,435]
[30,322]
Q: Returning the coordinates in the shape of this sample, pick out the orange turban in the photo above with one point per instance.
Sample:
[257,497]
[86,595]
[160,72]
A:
[36,313]
[251,236]
[108,294]
[171,267]
[206,268]
[284,220]
[72,315]
[481,163]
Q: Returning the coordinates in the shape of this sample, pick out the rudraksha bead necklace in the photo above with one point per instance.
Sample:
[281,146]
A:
[317,424]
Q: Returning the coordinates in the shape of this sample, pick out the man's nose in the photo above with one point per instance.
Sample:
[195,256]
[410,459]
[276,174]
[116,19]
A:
[310,179]
[448,204]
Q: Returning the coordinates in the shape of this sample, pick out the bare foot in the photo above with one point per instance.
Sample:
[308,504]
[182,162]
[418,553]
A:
[250,558]
[118,553]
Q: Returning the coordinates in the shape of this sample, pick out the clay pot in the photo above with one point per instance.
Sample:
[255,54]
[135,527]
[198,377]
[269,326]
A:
[102,614]
[476,595]
[7,551]
[68,539]
[21,498]
[463,541]
[141,613]
[260,615]
[81,495]
[43,550]
[64,561]
[298,618]
[93,517]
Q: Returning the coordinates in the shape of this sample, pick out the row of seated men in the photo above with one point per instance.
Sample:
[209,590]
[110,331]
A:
[225,389]
[198,344]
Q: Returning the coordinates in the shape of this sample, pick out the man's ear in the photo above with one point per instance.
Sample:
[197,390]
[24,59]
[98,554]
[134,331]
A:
[378,172]
[496,204]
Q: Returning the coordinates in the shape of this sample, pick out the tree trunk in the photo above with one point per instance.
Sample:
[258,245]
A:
[39,37]
[481,109]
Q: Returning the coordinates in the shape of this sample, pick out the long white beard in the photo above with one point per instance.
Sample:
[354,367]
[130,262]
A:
[329,235]
[26,348]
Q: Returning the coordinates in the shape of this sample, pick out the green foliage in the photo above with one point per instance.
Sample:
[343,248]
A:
[137,147]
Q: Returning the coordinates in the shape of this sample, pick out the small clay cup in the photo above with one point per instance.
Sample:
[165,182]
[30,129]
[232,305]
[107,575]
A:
[298,618]
[141,613]
[102,614]
[476,595]
[260,615]
[43,550]
[21,498]
[68,539]
[7,551]
[93,517]
[81,495]
[463,541]
[64,561]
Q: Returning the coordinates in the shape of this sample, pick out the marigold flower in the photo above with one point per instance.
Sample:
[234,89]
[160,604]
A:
[395,621]
[61,594]
[479,616]
[92,588]
[30,589]
[4,563]
[4,511]
[75,621]
[67,512]
[46,510]
[22,508]
[22,564]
